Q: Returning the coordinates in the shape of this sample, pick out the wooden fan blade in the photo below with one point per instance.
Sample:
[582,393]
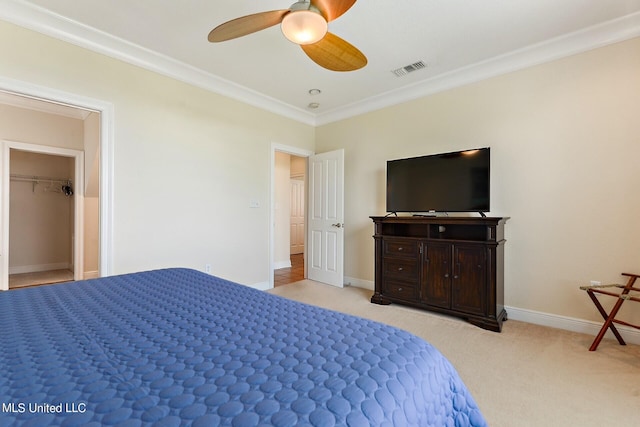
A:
[335,54]
[246,25]
[333,9]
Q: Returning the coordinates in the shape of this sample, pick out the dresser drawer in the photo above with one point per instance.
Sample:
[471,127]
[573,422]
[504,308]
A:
[400,268]
[400,247]
[400,290]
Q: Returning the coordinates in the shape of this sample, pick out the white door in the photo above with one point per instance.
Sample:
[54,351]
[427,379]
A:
[325,243]
[297,217]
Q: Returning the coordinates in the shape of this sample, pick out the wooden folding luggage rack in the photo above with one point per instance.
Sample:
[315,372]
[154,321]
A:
[610,318]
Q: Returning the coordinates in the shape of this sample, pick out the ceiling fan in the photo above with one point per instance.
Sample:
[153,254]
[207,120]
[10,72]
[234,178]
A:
[304,23]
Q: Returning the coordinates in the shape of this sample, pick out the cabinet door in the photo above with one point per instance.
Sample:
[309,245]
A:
[436,274]
[469,284]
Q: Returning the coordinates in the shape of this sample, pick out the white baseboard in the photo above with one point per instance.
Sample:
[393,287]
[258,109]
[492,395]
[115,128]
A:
[630,335]
[39,267]
[359,283]
[91,275]
[262,286]
[281,264]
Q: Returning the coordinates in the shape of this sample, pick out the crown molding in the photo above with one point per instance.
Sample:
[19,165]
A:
[614,31]
[33,17]
[41,20]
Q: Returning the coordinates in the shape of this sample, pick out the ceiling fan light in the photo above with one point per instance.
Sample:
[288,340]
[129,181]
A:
[304,26]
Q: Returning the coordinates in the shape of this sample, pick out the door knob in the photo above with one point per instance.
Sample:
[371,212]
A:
[338,225]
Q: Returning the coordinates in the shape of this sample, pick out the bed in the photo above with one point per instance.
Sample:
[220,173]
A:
[178,347]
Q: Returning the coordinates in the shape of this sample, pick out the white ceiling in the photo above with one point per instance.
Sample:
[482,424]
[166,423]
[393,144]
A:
[461,41]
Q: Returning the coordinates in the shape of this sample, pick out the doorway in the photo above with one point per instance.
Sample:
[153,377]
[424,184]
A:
[280,216]
[42,214]
[289,230]
[41,218]
[324,215]
[97,195]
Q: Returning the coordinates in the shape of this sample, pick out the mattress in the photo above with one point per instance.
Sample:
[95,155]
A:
[178,347]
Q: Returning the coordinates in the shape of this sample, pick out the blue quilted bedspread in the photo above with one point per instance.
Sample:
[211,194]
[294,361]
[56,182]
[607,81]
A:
[179,347]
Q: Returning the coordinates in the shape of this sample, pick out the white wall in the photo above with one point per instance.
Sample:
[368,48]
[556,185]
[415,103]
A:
[565,144]
[187,162]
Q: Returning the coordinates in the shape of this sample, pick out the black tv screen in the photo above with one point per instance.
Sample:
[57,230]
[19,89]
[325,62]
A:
[448,182]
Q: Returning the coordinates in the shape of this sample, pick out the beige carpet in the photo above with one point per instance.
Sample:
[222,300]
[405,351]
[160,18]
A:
[528,375]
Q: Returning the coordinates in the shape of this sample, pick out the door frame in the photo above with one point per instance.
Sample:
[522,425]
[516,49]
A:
[106,111]
[78,202]
[294,151]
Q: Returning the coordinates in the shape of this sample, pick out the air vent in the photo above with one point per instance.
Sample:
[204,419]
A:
[409,68]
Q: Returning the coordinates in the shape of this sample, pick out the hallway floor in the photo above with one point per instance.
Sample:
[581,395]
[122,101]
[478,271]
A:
[284,276]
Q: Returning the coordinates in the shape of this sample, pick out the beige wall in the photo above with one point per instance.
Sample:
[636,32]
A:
[187,162]
[282,210]
[565,144]
[564,138]
[298,166]
[17,125]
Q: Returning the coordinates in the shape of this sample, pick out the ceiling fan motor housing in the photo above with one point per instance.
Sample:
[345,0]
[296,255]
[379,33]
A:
[304,24]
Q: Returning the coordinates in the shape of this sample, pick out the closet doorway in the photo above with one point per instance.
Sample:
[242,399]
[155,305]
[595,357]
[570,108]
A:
[39,115]
[43,214]
[41,218]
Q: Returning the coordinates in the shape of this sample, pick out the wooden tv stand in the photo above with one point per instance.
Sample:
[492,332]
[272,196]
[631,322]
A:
[450,265]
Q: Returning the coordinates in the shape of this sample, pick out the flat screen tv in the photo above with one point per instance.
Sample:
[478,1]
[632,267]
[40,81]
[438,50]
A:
[448,182]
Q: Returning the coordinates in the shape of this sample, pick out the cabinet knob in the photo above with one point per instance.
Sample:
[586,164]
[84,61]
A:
[455,277]
[446,276]
[399,289]
[400,268]
[400,248]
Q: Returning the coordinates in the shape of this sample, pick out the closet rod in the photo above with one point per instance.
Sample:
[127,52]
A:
[36,179]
